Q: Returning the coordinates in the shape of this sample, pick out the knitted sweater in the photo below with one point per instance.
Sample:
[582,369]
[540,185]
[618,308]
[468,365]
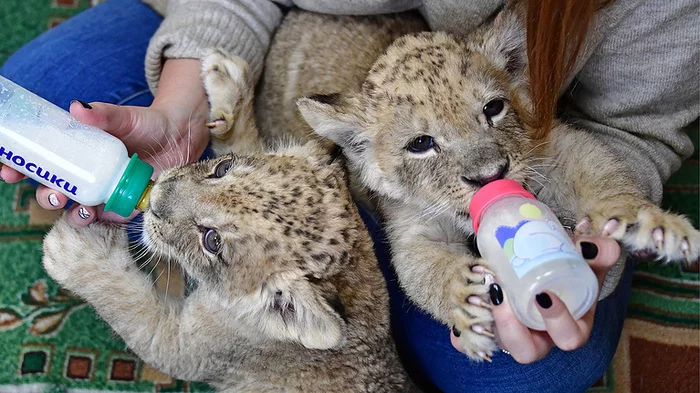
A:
[636,78]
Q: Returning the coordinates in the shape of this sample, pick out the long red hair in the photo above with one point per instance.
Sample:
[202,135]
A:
[556,30]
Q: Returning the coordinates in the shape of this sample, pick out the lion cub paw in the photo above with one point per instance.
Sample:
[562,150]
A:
[69,252]
[471,317]
[228,82]
[646,230]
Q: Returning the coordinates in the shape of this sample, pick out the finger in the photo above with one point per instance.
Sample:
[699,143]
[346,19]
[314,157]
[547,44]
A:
[80,216]
[114,217]
[566,333]
[117,120]
[513,335]
[50,199]
[601,253]
[9,175]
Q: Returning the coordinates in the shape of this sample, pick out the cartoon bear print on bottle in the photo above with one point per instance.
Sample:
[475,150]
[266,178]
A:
[534,239]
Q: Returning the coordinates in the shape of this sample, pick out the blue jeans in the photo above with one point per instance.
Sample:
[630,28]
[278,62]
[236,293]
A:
[99,56]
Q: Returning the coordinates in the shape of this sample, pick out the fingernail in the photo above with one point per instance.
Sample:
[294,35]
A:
[589,250]
[53,200]
[83,213]
[456,332]
[496,294]
[544,300]
[83,103]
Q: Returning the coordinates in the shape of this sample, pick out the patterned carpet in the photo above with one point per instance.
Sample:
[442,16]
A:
[51,342]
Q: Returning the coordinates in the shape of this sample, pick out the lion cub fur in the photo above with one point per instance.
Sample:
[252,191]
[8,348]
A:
[438,85]
[289,295]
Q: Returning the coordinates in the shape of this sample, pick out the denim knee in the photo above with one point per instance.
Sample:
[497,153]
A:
[98,55]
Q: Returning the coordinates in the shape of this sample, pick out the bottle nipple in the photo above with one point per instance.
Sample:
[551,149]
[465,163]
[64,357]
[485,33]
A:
[142,204]
[132,189]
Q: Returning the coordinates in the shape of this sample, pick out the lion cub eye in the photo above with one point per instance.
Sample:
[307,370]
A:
[212,241]
[222,168]
[494,108]
[421,144]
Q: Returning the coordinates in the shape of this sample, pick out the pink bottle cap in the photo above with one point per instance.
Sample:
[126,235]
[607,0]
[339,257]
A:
[492,192]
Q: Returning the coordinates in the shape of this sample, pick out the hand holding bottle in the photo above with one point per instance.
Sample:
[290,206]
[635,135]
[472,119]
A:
[562,330]
[169,132]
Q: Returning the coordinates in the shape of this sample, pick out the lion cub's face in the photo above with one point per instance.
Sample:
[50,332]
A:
[436,119]
[263,232]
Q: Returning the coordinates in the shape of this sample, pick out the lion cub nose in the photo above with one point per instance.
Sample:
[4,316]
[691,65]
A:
[480,180]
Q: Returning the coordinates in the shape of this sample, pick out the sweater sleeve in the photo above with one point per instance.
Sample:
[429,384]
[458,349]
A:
[241,27]
[640,88]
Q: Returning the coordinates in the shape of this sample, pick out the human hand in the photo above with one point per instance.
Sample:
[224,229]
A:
[170,132]
[526,345]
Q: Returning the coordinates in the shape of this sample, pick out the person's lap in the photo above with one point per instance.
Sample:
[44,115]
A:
[425,348]
[99,56]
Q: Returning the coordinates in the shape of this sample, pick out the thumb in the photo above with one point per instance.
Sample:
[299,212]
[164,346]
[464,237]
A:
[119,121]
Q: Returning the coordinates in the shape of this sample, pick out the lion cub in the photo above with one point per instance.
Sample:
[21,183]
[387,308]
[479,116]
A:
[439,116]
[289,296]
[424,122]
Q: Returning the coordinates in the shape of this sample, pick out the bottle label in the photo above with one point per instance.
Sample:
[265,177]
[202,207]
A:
[24,122]
[23,165]
[534,240]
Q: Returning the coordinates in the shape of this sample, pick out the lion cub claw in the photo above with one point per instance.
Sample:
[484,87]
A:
[645,229]
[470,314]
[229,85]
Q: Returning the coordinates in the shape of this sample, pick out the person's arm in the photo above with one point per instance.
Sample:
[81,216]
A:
[242,28]
[170,132]
[639,90]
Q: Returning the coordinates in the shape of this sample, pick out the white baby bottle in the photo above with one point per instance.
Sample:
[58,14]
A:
[86,164]
[529,251]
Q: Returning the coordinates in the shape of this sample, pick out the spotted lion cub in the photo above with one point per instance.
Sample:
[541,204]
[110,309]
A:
[289,295]
[439,116]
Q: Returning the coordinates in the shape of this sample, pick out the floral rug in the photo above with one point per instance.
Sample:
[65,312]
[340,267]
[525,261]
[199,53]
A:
[51,341]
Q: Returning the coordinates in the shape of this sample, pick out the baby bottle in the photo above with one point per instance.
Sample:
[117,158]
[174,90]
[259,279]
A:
[529,251]
[86,164]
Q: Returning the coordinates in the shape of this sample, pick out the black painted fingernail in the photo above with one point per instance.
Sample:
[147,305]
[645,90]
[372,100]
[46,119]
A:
[456,332]
[496,294]
[544,300]
[589,250]
[83,103]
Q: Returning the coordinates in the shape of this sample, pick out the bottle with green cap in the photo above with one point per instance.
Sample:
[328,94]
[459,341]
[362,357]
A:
[86,164]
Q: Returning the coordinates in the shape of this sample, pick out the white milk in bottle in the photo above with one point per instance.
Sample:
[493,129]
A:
[530,251]
[86,164]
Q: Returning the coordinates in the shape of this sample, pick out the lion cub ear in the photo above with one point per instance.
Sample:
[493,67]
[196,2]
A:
[310,313]
[338,117]
[504,39]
